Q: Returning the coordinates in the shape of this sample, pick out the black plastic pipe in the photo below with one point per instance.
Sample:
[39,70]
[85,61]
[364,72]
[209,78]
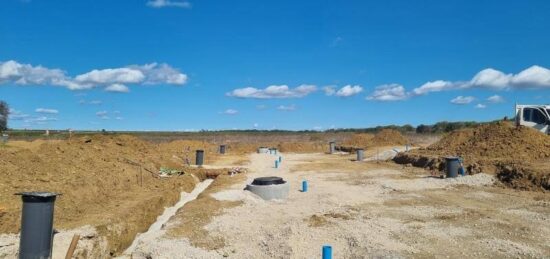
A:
[199,158]
[36,225]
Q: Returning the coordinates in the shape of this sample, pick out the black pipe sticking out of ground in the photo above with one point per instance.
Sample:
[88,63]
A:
[37,225]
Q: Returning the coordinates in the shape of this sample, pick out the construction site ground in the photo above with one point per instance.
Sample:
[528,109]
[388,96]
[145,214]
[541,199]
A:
[363,209]
[366,209]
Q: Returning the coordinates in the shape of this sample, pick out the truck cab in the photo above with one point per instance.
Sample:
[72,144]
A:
[534,116]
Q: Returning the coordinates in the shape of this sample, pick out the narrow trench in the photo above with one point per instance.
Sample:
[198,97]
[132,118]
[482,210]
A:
[155,229]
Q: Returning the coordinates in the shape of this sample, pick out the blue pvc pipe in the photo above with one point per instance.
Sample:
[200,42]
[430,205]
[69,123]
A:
[304,186]
[276,163]
[280,159]
[327,252]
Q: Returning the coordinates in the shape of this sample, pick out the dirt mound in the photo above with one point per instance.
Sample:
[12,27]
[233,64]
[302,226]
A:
[389,137]
[499,148]
[495,140]
[110,182]
[386,137]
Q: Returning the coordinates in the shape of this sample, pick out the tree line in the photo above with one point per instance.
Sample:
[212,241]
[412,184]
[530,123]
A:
[440,127]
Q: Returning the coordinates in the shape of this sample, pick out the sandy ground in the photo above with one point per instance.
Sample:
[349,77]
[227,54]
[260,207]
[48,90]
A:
[370,210]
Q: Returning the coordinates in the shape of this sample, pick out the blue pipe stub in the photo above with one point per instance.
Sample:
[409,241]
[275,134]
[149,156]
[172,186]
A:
[304,186]
[327,252]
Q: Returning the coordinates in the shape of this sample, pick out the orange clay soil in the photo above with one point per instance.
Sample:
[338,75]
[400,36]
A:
[517,155]
[109,182]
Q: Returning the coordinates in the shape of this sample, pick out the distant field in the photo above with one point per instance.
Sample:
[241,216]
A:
[212,136]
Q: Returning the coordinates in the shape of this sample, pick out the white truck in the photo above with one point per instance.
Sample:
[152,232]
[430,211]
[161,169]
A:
[534,116]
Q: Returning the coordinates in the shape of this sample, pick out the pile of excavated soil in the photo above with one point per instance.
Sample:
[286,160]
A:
[109,182]
[497,148]
[386,137]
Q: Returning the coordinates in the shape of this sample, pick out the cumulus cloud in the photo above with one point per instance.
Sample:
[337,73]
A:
[112,79]
[349,90]
[161,74]
[461,100]
[25,74]
[230,112]
[273,91]
[389,92]
[110,76]
[117,88]
[481,106]
[534,77]
[435,86]
[291,107]
[47,111]
[496,99]
[261,107]
[168,3]
[346,91]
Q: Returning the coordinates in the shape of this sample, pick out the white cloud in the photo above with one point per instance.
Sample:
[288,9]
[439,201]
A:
[261,107]
[256,125]
[112,79]
[490,78]
[25,74]
[291,107]
[496,99]
[17,115]
[390,92]
[47,111]
[30,120]
[346,91]
[117,88]
[230,112]
[349,90]
[42,118]
[273,91]
[534,77]
[317,128]
[102,115]
[110,76]
[161,74]
[435,86]
[119,118]
[481,106]
[329,90]
[168,3]
[461,100]
[92,102]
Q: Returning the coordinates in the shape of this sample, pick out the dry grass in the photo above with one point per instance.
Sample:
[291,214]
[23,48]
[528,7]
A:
[195,215]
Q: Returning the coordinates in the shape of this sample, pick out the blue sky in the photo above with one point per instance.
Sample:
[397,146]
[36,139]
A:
[189,65]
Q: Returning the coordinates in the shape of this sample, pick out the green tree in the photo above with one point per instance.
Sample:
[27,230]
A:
[4,113]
